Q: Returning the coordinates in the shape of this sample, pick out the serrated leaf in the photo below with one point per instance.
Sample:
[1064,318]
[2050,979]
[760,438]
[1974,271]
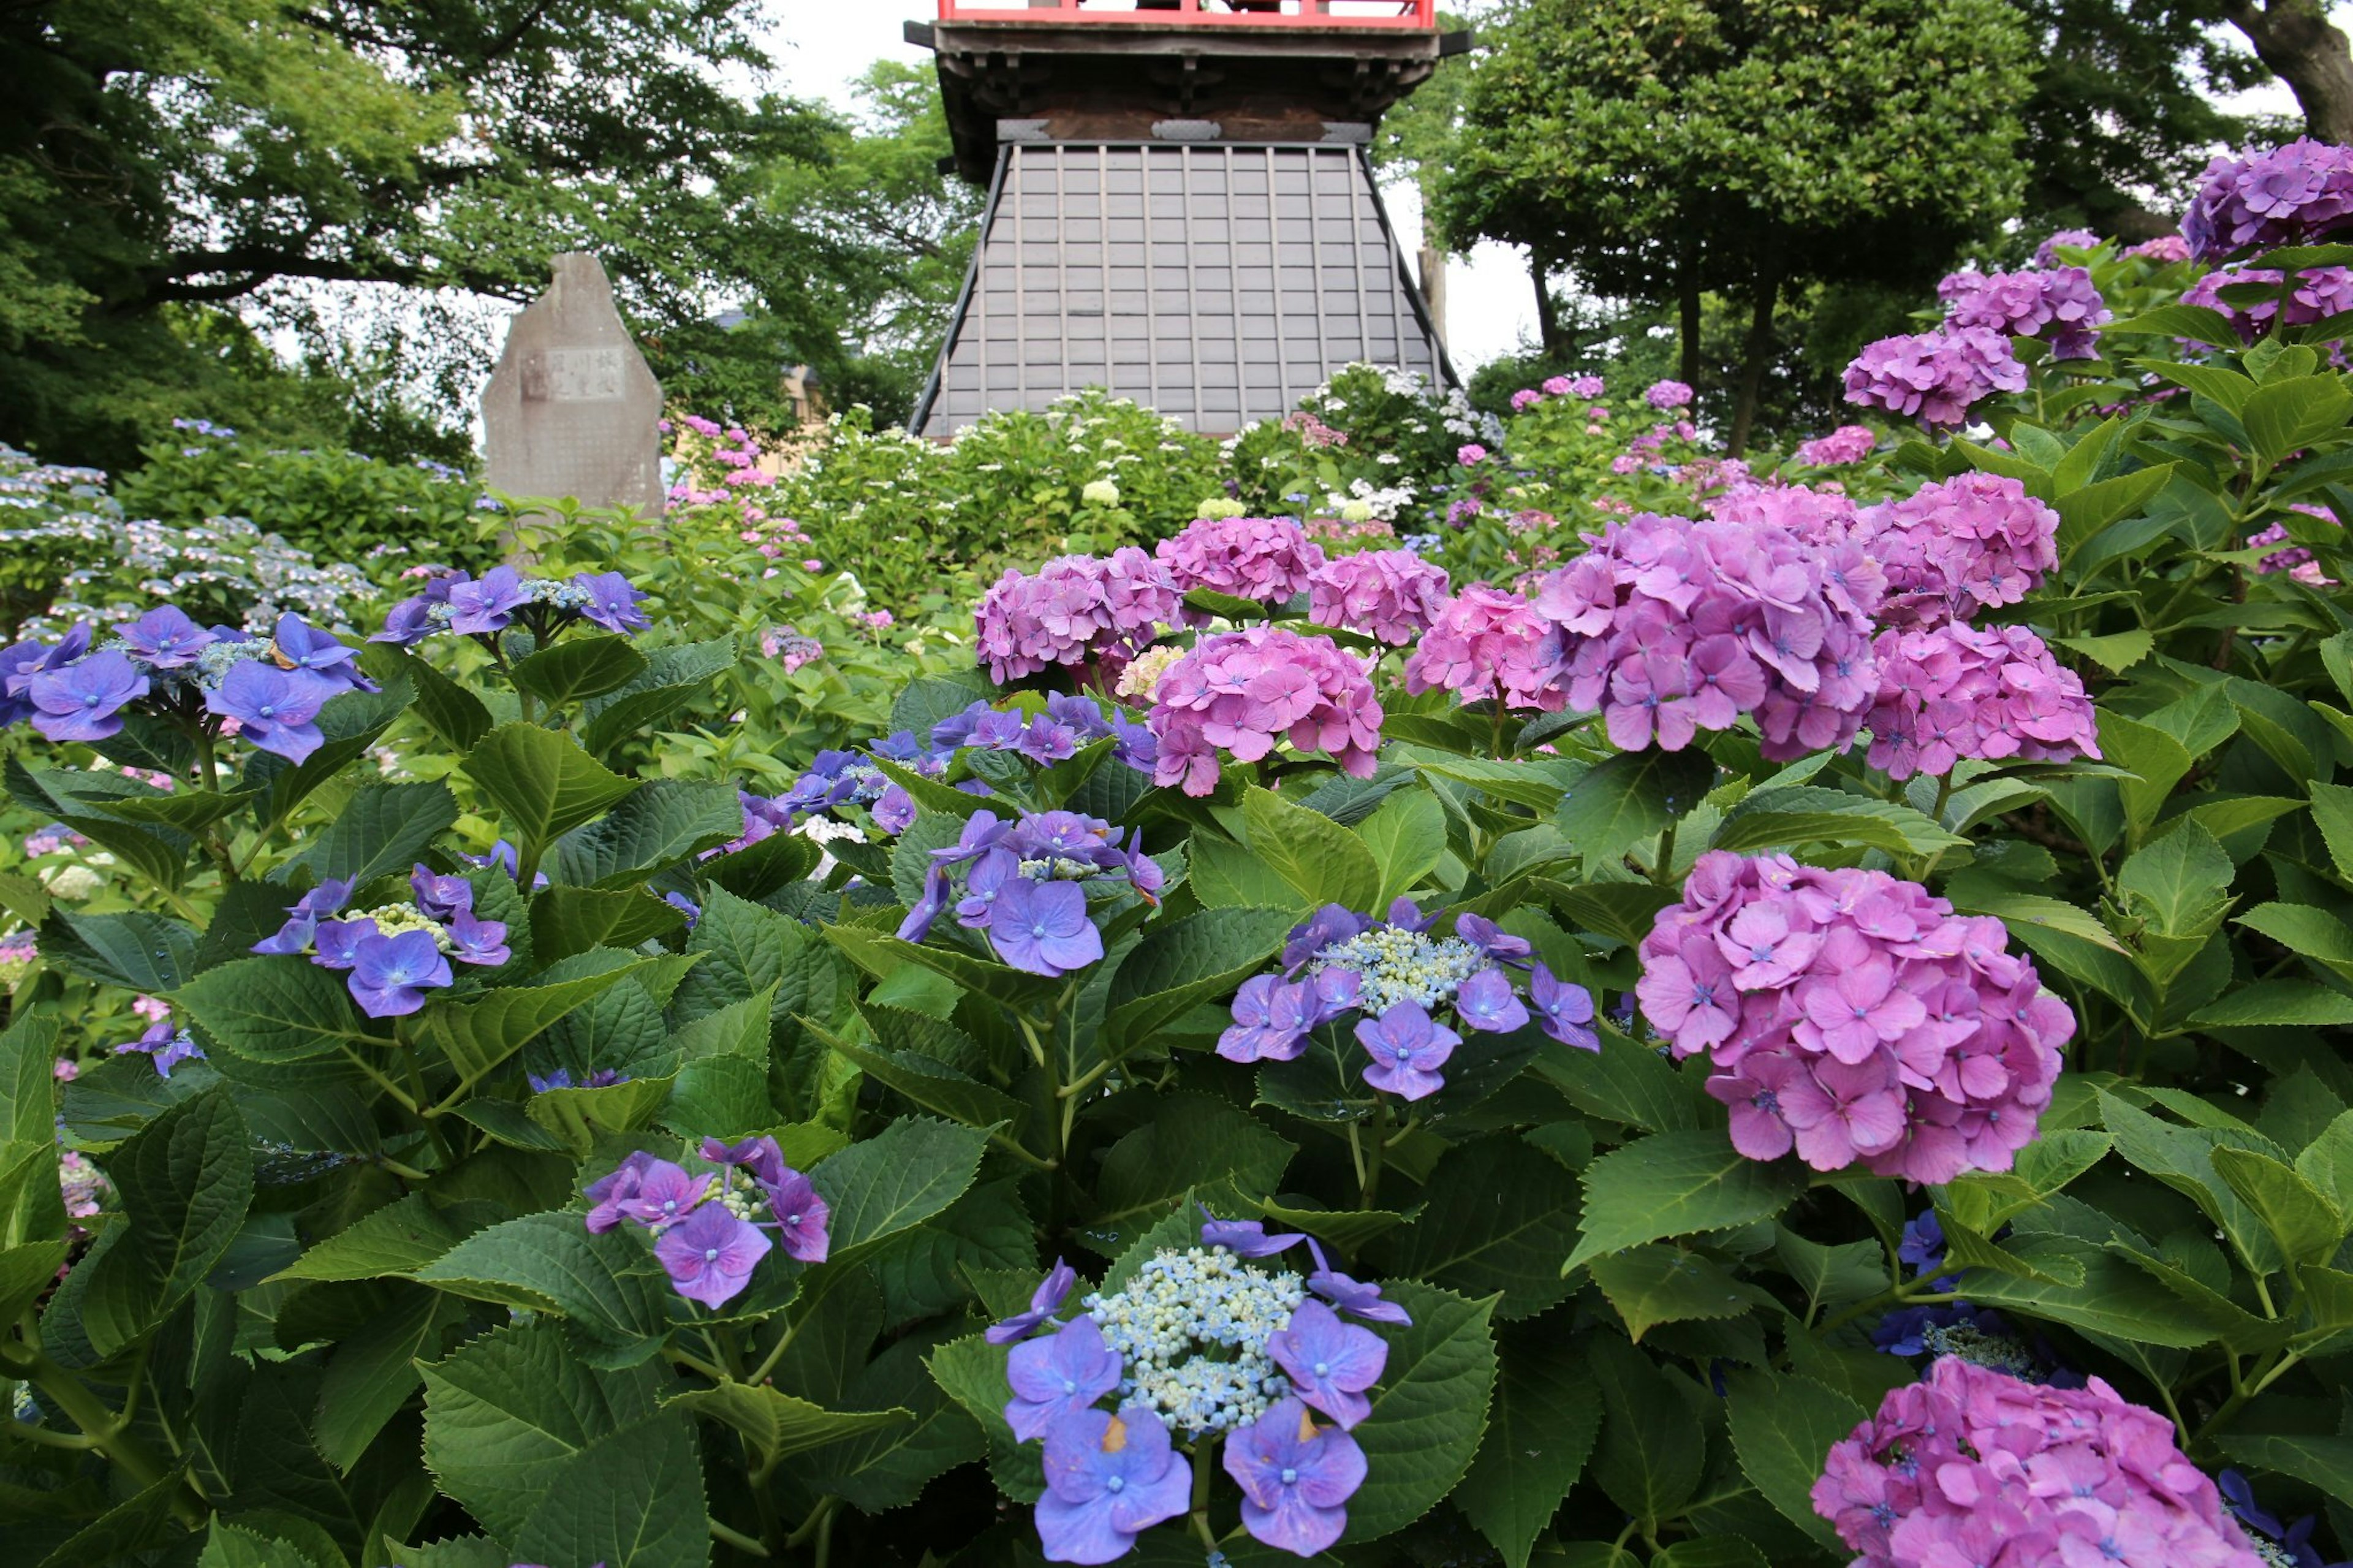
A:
[607,1285]
[633,1500]
[1677,1184]
[478,1035]
[1185,961]
[578,667]
[672,679]
[1783,1428]
[1811,814]
[134,950]
[542,784]
[1629,798]
[383,828]
[971,1372]
[1193,1144]
[398,1238]
[1498,1217]
[1326,862]
[373,1372]
[1540,1431]
[1651,1452]
[664,823]
[1653,1284]
[778,1424]
[1427,1413]
[2305,1224]
[276,1009]
[911,1171]
[1407,837]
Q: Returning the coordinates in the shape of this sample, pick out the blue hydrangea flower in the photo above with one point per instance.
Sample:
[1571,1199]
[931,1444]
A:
[1108,1478]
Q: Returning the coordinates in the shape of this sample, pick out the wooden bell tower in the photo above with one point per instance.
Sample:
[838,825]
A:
[1181,202]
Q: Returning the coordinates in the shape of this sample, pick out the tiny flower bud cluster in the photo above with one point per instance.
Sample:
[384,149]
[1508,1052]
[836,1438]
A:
[1935,378]
[1191,1330]
[2058,304]
[1269,559]
[1673,627]
[1972,1465]
[392,955]
[1246,691]
[1955,691]
[1391,594]
[1853,1016]
[1075,609]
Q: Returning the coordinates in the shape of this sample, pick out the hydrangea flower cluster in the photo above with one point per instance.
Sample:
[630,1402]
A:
[1073,610]
[1070,722]
[711,1229]
[502,598]
[2296,559]
[1391,594]
[2320,292]
[1198,1346]
[217,681]
[2164,249]
[1269,559]
[2047,253]
[2279,1545]
[2297,194]
[1026,884]
[1245,691]
[1673,627]
[1853,1016]
[2058,304]
[1847,444]
[1665,395]
[163,1043]
[1394,973]
[1490,646]
[1971,1465]
[393,955]
[1935,378]
[1959,545]
[1954,691]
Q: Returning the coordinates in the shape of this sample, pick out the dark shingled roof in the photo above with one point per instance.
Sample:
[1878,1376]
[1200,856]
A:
[1217,282]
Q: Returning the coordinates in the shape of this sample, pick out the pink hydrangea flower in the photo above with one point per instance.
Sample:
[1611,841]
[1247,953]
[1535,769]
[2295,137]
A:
[1489,645]
[1935,378]
[2320,292]
[1854,1017]
[1075,609]
[1392,594]
[1671,626]
[1954,691]
[2298,194]
[1563,386]
[1954,547]
[1244,692]
[1471,456]
[1974,1466]
[1847,444]
[1528,397]
[2047,253]
[2165,248]
[1668,394]
[1268,559]
[2058,304]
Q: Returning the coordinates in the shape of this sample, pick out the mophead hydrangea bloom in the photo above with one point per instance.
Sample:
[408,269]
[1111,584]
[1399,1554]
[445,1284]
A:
[2057,304]
[1246,691]
[2298,194]
[1490,646]
[1847,444]
[1391,594]
[1954,547]
[2163,249]
[1269,559]
[2320,292]
[2047,253]
[1671,626]
[1820,517]
[1854,1017]
[1953,691]
[1971,1465]
[1668,394]
[1935,378]
[1073,610]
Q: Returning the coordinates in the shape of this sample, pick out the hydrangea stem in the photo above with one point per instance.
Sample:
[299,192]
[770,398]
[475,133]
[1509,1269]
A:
[1202,1476]
[103,1429]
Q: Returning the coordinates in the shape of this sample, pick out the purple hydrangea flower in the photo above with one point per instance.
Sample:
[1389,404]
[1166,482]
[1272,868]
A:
[1042,928]
[1108,1478]
[439,897]
[478,941]
[1044,1302]
[1330,1363]
[612,602]
[760,1156]
[84,701]
[390,974]
[895,812]
[304,915]
[165,638]
[305,647]
[486,606]
[1407,1047]
[1491,939]
[1059,1375]
[928,909]
[165,1045]
[1244,1237]
[711,1254]
[407,623]
[802,1217]
[1296,1478]
[1564,1010]
[1487,1002]
[339,941]
[609,1195]
[1352,1296]
[665,1192]
[273,709]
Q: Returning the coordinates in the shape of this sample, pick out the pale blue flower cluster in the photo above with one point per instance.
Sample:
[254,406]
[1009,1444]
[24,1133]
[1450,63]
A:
[1398,963]
[1191,1328]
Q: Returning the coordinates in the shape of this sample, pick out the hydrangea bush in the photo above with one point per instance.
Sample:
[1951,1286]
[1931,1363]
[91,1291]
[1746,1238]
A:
[1810,1028]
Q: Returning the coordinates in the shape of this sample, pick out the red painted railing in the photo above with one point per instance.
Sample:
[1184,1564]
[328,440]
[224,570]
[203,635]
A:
[1399,13]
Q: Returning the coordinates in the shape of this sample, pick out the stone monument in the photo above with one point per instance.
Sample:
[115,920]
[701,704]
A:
[572,410]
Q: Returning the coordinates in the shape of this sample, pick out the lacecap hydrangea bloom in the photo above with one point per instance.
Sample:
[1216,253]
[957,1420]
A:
[1973,1466]
[2297,194]
[390,957]
[1270,559]
[502,598]
[1200,1345]
[1246,691]
[1027,884]
[1855,1017]
[712,1228]
[1954,691]
[1391,594]
[1491,647]
[1072,611]
[1672,627]
[1959,545]
[1935,378]
[1399,981]
[2057,304]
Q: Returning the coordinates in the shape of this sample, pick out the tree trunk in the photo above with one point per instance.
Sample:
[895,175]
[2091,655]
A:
[1549,335]
[1752,355]
[2295,39]
[1687,293]
[1433,267]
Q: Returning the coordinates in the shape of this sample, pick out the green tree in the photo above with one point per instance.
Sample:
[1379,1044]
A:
[1661,148]
[165,161]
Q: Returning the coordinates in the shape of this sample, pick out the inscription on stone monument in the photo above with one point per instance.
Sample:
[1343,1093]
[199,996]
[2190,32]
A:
[572,410]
